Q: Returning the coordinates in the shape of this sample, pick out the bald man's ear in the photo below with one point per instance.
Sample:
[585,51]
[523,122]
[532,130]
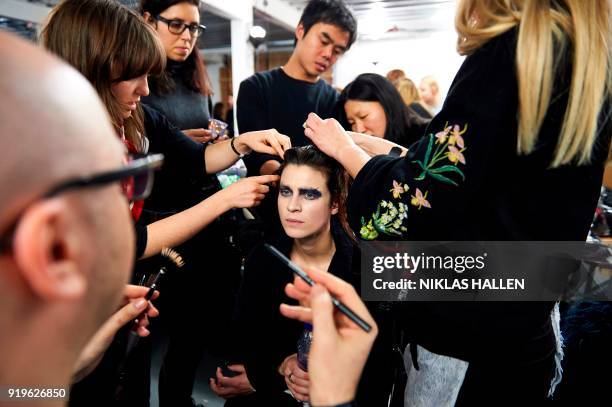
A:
[46,250]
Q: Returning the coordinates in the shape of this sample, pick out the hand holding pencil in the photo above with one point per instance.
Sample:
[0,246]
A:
[340,347]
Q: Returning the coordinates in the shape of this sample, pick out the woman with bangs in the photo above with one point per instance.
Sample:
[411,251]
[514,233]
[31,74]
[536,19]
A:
[528,115]
[116,50]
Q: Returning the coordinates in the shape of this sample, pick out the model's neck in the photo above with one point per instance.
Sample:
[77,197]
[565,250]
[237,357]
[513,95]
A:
[315,250]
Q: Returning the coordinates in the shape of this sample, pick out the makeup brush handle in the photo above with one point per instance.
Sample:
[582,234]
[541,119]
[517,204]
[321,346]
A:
[352,316]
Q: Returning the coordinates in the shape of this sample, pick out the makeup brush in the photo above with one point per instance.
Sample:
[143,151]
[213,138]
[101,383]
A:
[171,262]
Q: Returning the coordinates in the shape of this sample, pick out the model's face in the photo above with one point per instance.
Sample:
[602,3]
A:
[319,49]
[128,93]
[178,46]
[366,117]
[304,202]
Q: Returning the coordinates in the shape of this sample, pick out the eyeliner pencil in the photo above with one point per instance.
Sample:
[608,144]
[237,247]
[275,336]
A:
[301,274]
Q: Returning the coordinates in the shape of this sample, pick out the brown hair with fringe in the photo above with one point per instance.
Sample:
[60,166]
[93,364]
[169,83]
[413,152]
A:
[108,43]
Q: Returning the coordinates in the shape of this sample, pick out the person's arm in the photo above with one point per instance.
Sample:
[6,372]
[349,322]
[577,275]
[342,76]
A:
[185,156]
[339,347]
[221,155]
[329,136]
[198,135]
[134,305]
[375,145]
[176,229]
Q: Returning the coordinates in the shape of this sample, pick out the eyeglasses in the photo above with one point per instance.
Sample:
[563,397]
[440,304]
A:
[178,27]
[136,179]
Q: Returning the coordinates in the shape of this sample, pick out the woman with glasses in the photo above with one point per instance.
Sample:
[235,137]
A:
[182,93]
[116,50]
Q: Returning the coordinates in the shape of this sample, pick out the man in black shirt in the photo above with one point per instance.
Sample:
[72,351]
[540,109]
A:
[283,97]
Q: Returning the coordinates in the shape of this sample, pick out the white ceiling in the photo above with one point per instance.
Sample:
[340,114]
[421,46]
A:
[410,18]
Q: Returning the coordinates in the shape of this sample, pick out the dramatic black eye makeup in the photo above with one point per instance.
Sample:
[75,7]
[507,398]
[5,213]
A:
[308,193]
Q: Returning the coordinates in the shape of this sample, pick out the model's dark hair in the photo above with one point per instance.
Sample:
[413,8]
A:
[337,178]
[193,70]
[334,12]
[404,126]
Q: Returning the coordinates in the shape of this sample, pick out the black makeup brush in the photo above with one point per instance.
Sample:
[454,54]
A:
[171,262]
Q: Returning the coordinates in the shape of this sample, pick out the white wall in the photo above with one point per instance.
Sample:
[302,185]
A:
[434,55]
[213,74]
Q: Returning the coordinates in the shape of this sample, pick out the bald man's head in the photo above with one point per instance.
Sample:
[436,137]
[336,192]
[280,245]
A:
[52,124]
[71,254]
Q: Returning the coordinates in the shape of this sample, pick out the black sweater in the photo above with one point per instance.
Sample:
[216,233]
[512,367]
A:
[268,337]
[273,100]
[490,193]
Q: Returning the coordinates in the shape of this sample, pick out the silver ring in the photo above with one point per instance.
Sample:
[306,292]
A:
[291,377]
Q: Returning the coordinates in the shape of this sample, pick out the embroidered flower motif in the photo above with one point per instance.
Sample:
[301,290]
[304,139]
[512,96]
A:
[389,222]
[444,149]
[398,189]
[368,232]
[420,200]
[442,135]
[455,155]
[455,137]
[432,164]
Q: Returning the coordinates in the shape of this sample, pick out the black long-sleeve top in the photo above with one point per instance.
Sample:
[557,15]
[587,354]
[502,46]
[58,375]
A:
[273,100]
[478,188]
[268,337]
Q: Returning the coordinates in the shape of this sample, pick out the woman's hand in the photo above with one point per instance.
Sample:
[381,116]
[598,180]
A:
[264,141]
[199,135]
[134,304]
[250,191]
[328,135]
[228,387]
[297,380]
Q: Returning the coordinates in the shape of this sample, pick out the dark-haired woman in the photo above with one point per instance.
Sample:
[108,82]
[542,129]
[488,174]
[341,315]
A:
[373,106]
[312,192]
[182,93]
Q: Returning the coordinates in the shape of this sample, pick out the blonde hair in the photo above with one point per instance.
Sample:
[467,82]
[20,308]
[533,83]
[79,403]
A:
[576,28]
[408,90]
[107,43]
